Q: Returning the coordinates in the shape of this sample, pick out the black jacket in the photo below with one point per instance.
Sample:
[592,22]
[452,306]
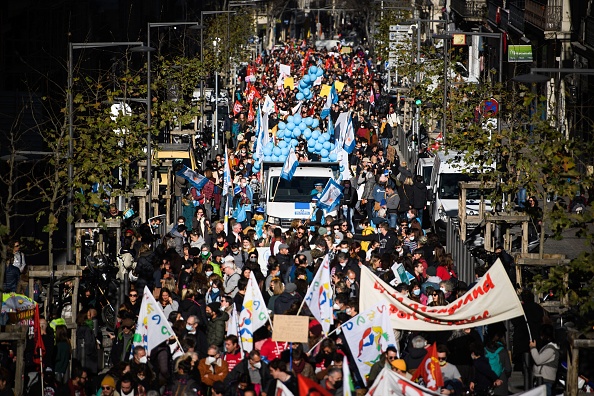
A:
[419,195]
[284,302]
[242,368]
[387,242]
[350,197]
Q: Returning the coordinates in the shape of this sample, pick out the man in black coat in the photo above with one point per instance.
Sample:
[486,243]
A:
[419,197]
[252,363]
[386,237]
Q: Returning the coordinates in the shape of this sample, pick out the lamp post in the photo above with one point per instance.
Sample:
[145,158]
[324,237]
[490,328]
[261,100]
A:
[148,49]
[202,13]
[71,48]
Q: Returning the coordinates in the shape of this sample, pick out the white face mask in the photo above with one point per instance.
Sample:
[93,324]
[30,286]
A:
[336,306]
[257,365]
[143,360]
[344,250]
[417,292]
[215,289]
[208,273]
[411,238]
[210,360]
[443,289]
[348,311]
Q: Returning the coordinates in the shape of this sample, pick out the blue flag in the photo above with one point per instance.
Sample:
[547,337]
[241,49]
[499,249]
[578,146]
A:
[290,166]
[331,196]
[331,99]
[194,178]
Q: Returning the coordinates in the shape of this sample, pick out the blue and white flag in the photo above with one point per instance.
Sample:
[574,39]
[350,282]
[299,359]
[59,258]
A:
[331,196]
[269,106]
[319,296]
[330,100]
[347,132]
[290,165]
[194,178]
[264,130]
[227,183]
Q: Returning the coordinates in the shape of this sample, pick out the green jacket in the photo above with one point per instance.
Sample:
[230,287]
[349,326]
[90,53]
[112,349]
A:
[215,330]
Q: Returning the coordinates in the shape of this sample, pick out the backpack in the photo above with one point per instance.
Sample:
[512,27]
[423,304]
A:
[494,360]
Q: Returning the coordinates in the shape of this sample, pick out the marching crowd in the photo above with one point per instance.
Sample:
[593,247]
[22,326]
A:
[198,272]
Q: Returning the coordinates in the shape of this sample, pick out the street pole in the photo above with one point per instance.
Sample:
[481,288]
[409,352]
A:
[149,158]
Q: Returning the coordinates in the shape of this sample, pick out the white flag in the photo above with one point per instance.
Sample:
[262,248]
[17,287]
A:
[331,196]
[152,327]
[290,165]
[232,323]
[282,390]
[368,335]
[253,315]
[319,296]
[269,105]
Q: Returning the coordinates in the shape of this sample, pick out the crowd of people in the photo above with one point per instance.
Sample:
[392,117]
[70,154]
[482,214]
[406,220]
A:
[198,272]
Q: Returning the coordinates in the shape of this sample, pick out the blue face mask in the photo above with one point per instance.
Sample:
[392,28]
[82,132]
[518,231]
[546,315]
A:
[417,292]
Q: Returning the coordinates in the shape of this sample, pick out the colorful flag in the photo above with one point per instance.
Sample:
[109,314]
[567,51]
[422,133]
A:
[194,178]
[152,327]
[39,352]
[493,299]
[282,390]
[310,388]
[251,115]
[429,370]
[319,296]
[331,196]
[368,335]
[253,315]
[233,323]
[237,107]
[348,388]
[290,165]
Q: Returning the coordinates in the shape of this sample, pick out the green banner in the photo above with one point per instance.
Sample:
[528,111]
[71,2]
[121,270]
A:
[519,53]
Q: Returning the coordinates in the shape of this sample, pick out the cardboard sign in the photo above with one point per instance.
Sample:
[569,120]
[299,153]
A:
[290,328]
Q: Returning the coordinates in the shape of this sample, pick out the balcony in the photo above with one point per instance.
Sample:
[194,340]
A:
[589,32]
[470,10]
[516,15]
[545,17]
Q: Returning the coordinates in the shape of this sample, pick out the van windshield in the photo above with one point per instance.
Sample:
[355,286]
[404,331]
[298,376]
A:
[448,186]
[427,174]
[299,189]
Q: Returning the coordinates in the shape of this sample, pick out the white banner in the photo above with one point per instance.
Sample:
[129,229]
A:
[390,383]
[152,327]
[491,300]
[368,335]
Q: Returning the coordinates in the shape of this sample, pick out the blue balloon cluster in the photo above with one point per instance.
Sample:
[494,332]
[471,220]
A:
[306,83]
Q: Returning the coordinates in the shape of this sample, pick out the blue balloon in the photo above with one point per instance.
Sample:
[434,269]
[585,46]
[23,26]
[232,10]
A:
[315,134]
[319,147]
[310,148]
[307,133]
[290,126]
[288,138]
[308,121]
[270,145]
[302,84]
[324,153]
[285,151]
[290,119]
[280,134]
[294,143]
[276,152]
[267,151]
[315,123]
[313,69]
[306,79]
[311,142]
[300,96]
[326,136]
[320,72]
[256,167]
[297,119]
[268,158]
[309,97]
[332,145]
[302,126]
[274,158]
[297,132]
[322,138]
[282,125]
[306,91]
[327,145]
[282,144]
[324,159]
[332,157]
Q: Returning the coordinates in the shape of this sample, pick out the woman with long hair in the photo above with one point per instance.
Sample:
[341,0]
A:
[438,299]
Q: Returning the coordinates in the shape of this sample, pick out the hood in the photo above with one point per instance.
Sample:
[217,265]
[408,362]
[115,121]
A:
[222,316]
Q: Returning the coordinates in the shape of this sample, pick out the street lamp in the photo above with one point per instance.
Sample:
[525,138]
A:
[148,49]
[71,48]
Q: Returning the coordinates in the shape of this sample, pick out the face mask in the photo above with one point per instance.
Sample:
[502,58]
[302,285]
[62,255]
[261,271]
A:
[348,311]
[409,216]
[204,254]
[411,238]
[222,309]
[210,360]
[235,252]
[253,259]
[155,225]
[344,250]
[443,289]
[398,249]
[338,331]
[336,306]
[189,328]
[442,362]
[143,359]
[417,292]
[243,184]
[338,385]
[220,243]
[215,289]
[257,365]
[208,273]
[336,241]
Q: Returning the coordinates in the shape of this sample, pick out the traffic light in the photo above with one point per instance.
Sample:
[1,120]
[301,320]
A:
[418,102]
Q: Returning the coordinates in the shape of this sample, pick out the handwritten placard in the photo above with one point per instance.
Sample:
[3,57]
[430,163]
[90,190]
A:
[290,328]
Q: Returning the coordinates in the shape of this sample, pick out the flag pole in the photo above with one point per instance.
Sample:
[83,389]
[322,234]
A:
[323,338]
[41,371]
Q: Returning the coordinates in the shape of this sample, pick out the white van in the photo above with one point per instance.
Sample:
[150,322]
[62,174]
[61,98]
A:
[291,200]
[448,171]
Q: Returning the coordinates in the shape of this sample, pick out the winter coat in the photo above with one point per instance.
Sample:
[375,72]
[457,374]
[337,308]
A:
[284,301]
[546,361]
[350,197]
[483,377]
[419,195]
[215,329]
[392,202]
[369,179]
[220,368]
[230,284]
[414,358]
[406,194]
[85,336]
[242,368]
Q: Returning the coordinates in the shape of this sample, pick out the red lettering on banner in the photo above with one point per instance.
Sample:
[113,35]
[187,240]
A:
[468,298]
[408,389]
[477,291]
[379,287]
[488,285]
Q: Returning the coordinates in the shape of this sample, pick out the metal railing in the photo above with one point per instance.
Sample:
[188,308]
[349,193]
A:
[516,15]
[469,9]
[464,261]
[589,32]
[546,17]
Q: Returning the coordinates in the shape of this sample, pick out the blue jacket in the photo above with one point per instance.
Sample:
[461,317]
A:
[11,278]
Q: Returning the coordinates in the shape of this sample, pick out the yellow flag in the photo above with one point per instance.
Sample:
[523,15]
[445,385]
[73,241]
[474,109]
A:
[325,91]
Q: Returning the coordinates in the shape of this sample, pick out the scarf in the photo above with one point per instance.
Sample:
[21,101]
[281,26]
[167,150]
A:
[298,367]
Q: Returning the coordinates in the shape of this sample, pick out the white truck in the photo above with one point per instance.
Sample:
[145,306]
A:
[448,171]
[291,200]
